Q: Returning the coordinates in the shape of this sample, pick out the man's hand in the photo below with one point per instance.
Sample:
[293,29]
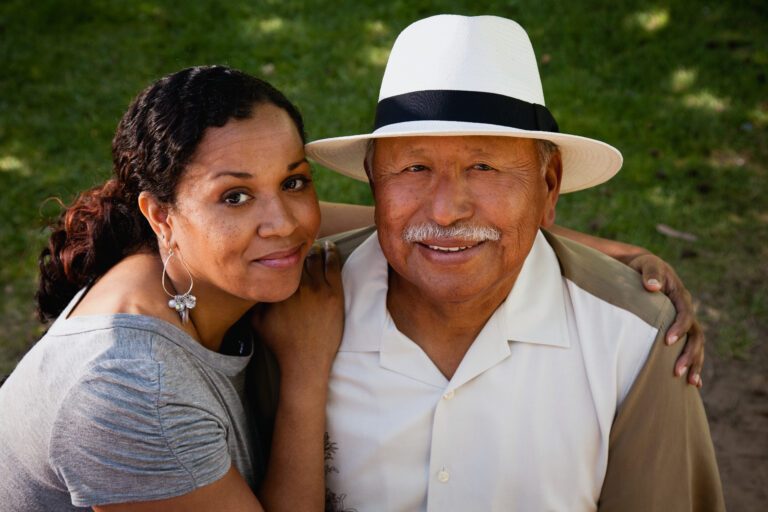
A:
[658,276]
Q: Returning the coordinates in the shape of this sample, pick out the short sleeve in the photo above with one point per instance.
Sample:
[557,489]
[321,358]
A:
[116,441]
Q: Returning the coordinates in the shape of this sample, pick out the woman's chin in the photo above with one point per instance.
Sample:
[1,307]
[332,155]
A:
[277,292]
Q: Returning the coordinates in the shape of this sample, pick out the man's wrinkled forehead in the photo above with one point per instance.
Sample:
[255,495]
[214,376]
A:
[474,145]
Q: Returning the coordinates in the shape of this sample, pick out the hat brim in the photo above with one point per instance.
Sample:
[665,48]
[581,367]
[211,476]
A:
[586,162]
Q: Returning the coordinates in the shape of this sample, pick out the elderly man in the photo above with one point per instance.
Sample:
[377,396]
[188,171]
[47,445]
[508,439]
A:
[487,364]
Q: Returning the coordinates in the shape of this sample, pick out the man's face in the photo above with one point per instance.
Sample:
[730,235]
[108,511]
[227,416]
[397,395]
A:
[491,183]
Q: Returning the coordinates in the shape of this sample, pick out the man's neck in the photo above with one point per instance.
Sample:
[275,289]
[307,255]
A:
[443,329]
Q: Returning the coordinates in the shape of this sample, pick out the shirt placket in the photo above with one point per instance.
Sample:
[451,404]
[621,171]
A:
[444,468]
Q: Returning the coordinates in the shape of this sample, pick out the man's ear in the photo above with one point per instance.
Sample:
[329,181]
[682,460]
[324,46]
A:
[156,214]
[553,178]
[369,173]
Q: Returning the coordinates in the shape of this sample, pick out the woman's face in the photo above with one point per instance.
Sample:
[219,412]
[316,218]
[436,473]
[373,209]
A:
[246,212]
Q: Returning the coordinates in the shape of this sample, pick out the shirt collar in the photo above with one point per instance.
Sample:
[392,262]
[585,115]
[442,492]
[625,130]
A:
[535,309]
[533,312]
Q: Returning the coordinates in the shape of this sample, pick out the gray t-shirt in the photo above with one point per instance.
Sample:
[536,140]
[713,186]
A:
[119,408]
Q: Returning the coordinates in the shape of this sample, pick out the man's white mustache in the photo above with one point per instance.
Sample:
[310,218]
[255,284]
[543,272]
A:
[417,233]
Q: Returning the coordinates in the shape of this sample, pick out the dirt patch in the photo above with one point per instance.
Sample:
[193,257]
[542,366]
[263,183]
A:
[736,397]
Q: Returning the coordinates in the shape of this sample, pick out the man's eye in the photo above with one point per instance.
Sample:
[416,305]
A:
[415,168]
[296,183]
[236,198]
[482,167]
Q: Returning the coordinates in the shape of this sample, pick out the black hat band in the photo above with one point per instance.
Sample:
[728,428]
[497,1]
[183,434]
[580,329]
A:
[464,106]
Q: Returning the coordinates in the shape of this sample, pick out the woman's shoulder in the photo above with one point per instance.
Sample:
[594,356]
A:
[101,355]
[117,369]
[71,346]
[139,359]
[125,430]
[93,339]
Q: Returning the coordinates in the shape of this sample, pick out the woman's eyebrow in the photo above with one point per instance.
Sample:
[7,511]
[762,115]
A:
[294,165]
[247,175]
[235,174]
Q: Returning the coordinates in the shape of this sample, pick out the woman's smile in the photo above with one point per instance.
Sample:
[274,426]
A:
[282,259]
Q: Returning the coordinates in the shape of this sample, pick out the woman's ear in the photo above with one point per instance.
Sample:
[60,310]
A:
[156,214]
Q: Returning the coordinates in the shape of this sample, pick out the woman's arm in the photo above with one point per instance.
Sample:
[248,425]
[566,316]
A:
[340,217]
[304,333]
[617,250]
[230,493]
[657,276]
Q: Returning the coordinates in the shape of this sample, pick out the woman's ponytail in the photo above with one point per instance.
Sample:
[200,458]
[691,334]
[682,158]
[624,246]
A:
[95,232]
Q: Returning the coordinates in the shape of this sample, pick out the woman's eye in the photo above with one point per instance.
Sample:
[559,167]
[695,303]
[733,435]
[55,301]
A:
[296,183]
[236,198]
[482,167]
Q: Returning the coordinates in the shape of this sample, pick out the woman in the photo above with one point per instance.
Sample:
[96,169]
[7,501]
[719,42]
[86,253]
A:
[133,400]
[126,400]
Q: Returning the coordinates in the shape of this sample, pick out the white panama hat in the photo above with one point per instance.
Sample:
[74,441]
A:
[457,75]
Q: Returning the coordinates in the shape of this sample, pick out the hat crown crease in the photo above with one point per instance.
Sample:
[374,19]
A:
[449,52]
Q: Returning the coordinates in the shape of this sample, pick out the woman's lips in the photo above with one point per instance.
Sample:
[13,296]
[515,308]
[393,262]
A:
[281,259]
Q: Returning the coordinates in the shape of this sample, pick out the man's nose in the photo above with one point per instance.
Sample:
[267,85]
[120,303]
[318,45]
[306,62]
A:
[451,199]
[277,218]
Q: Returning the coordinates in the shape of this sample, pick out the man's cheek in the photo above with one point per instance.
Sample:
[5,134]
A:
[390,214]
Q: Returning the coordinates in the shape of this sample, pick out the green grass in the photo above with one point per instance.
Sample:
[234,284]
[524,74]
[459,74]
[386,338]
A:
[678,86]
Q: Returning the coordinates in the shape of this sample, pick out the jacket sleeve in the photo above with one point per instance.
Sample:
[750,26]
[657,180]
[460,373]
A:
[660,454]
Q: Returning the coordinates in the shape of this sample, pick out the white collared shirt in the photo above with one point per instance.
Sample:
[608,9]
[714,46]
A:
[523,424]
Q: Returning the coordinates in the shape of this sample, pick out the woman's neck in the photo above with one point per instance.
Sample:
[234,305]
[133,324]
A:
[134,286]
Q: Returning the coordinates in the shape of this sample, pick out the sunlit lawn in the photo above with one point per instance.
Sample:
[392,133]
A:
[678,86]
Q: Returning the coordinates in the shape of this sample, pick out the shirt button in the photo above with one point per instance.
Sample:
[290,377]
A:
[448,394]
[443,475]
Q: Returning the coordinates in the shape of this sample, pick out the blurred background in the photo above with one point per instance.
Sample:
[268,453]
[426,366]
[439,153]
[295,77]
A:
[678,86]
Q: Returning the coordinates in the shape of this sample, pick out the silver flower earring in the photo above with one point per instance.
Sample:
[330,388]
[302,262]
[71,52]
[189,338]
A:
[184,302]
